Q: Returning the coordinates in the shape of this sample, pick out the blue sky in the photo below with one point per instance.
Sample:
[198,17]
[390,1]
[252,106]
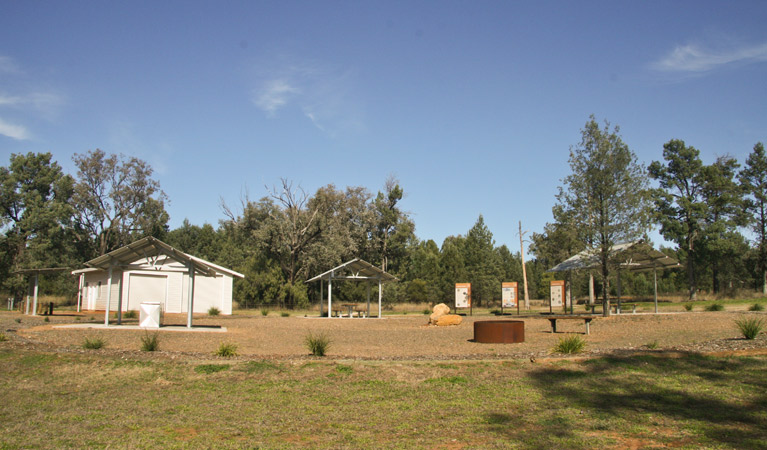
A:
[472,105]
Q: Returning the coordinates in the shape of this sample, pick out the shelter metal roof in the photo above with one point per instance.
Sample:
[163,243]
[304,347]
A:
[637,255]
[43,270]
[356,269]
[149,248]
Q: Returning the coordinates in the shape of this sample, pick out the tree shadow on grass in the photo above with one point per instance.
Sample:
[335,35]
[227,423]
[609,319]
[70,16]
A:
[721,400]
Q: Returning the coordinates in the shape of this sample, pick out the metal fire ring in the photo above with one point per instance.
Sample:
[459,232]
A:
[499,331]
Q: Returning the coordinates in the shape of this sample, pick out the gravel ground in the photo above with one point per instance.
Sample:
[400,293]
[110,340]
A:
[391,338]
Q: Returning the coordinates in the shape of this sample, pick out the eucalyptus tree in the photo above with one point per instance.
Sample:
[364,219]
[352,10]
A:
[606,195]
[388,218]
[753,178]
[116,200]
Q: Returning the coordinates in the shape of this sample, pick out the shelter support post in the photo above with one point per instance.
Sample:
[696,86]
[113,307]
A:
[591,288]
[120,300]
[34,295]
[26,305]
[190,307]
[619,290]
[655,287]
[321,296]
[80,293]
[380,296]
[330,296]
[109,296]
[368,298]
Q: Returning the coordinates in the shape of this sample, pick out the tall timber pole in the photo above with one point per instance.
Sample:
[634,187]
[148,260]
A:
[524,270]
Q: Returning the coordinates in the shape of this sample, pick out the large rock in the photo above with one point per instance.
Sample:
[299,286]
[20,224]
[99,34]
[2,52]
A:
[437,312]
[449,319]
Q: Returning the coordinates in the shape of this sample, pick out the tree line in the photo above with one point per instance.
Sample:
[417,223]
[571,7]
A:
[53,219]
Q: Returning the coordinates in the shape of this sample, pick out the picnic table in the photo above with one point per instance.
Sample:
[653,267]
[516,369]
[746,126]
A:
[618,309]
[553,319]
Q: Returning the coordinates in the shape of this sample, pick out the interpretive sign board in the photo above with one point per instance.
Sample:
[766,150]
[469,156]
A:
[462,295]
[509,294]
[557,293]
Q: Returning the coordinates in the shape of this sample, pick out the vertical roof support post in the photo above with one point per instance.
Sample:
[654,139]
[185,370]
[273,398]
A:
[380,295]
[109,295]
[368,298]
[120,300]
[34,294]
[655,286]
[591,288]
[619,289]
[190,307]
[321,296]
[330,295]
[80,292]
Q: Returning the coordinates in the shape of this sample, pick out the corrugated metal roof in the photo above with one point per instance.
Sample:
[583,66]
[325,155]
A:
[150,247]
[355,269]
[638,255]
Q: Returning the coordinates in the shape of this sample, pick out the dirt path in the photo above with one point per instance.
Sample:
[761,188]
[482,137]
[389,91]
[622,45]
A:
[401,337]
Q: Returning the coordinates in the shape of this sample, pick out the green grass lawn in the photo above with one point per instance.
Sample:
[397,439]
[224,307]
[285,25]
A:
[97,400]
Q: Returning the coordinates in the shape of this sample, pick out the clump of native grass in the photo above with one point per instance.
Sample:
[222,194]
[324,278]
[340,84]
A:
[93,343]
[3,337]
[150,342]
[688,306]
[213,311]
[715,307]
[227,350]
[130,314]
[750,327]
[318,345]
[264,312]
[756,307]
[570,345]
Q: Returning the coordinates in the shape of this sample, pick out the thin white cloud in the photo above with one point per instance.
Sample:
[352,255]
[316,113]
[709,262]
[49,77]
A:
[273,95]
[323,93]
[12,131]
[696,59]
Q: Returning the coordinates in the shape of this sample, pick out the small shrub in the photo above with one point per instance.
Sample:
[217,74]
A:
[211,368]
[652,345]
[264,312]
[756,307]
[495,312]
[688,306]
[715,307]
[130,314]
[150,343]
[46,320]
[93,343]
[570,344]
[750,327]
[285,314]
[426,312]
[226,349]
[18,320]
[318,345]
[3,337]
[213,311]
